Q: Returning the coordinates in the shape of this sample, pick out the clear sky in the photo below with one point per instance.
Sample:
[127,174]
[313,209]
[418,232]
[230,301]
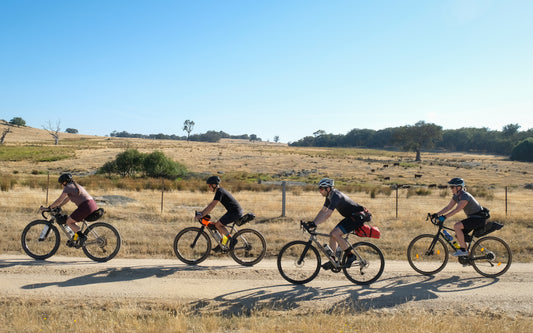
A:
[282,68]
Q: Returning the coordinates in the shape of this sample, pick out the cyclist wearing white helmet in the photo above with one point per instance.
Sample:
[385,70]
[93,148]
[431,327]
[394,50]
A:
[354,217]
[233,208]
[462,200]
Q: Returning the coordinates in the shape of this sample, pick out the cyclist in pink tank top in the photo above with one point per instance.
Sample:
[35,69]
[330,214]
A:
[74,192]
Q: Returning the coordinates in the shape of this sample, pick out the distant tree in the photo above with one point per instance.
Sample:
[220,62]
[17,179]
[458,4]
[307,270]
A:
[276,138]
[187,127]
[510,130]
[53,131]
[157,165]
[319,133]
[253,137]
[18,121]
[71,130]
[421,135]
[523,151]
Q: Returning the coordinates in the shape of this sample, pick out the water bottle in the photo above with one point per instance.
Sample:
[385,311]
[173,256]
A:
[328,249]
[217,236]
[456,245]
[44,232]
[447,235]
[69,231]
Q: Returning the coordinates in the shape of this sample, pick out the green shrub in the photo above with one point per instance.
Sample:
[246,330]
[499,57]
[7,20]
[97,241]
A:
[523,151]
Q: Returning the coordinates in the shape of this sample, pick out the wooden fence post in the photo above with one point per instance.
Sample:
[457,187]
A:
[283,197]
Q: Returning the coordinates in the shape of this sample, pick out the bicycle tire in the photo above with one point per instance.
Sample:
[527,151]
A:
[192,245]
[250,247]
[424,259]
[103,242]
[293,267]
[491,256]
[368,266]
[36,248]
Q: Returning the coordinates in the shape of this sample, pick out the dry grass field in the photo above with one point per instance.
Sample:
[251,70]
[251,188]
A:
[150,221]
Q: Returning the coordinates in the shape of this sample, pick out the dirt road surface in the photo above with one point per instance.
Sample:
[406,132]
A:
[222,284]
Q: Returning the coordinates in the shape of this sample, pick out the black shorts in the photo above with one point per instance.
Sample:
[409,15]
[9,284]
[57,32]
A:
[472,223]
[350,224]
[229,217]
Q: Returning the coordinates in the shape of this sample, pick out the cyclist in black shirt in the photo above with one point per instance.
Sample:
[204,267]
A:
[234,210]
[353,213]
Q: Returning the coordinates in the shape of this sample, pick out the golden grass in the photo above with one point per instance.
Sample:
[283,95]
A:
[115,315]
[148,232]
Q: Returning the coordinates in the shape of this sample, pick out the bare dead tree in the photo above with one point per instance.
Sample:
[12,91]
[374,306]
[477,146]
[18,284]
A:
[53,131]
[4,133]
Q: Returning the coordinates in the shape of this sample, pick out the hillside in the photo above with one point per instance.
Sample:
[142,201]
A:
[278,161]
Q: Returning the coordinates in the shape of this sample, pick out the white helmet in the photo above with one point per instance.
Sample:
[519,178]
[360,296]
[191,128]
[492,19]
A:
[326,182]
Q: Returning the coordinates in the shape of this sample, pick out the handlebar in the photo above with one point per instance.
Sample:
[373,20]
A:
[307,226]
[434,218]
[52,211]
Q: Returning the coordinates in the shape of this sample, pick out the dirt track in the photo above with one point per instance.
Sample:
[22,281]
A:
[223,284]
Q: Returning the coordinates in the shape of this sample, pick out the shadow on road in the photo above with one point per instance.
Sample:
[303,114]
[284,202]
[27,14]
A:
[386,293]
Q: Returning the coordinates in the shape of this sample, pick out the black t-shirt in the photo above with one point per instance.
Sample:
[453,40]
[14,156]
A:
[228,201]
[344,205]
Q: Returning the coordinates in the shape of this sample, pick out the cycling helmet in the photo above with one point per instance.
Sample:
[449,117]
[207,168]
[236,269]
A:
[326,182]
[66,177]
[457,182]
[213,180]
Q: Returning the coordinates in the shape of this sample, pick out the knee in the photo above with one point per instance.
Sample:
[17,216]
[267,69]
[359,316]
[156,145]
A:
[336,233]
[458,226]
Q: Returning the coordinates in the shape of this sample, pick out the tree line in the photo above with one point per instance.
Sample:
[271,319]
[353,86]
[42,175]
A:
[209,136]
[430,136]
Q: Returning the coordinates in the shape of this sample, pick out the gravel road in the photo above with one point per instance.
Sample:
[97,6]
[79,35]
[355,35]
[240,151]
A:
[223,284]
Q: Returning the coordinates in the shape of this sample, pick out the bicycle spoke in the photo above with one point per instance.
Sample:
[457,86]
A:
[426,256]
[491,256]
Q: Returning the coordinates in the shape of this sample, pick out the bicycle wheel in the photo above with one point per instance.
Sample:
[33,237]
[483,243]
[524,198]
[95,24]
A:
[491,256]
[40,239]
[298,262]
[250,248]
[192,245]
[368,266]
[103,242]
[426,255]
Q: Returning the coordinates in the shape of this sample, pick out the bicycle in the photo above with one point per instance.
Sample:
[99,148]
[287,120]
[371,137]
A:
[299,261]
[40,238]
[192,245]
[490,256]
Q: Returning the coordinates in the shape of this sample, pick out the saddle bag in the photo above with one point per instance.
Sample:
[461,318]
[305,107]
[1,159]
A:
[95,215]
[245,219]
[487,229]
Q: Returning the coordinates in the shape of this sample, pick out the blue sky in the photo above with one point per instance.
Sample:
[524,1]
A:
[271,68]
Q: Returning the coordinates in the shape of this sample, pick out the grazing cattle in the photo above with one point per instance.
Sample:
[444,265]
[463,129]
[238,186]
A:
[432,185]
[385,165]
[386,178]
[397,164]
[418,175]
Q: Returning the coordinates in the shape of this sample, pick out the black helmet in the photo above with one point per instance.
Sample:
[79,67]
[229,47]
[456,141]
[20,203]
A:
[213,180]
[66,177]
[457,182]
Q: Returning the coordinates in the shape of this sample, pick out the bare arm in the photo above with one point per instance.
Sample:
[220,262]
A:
[208,209]
[460,206]
[63,199]
[323,215]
